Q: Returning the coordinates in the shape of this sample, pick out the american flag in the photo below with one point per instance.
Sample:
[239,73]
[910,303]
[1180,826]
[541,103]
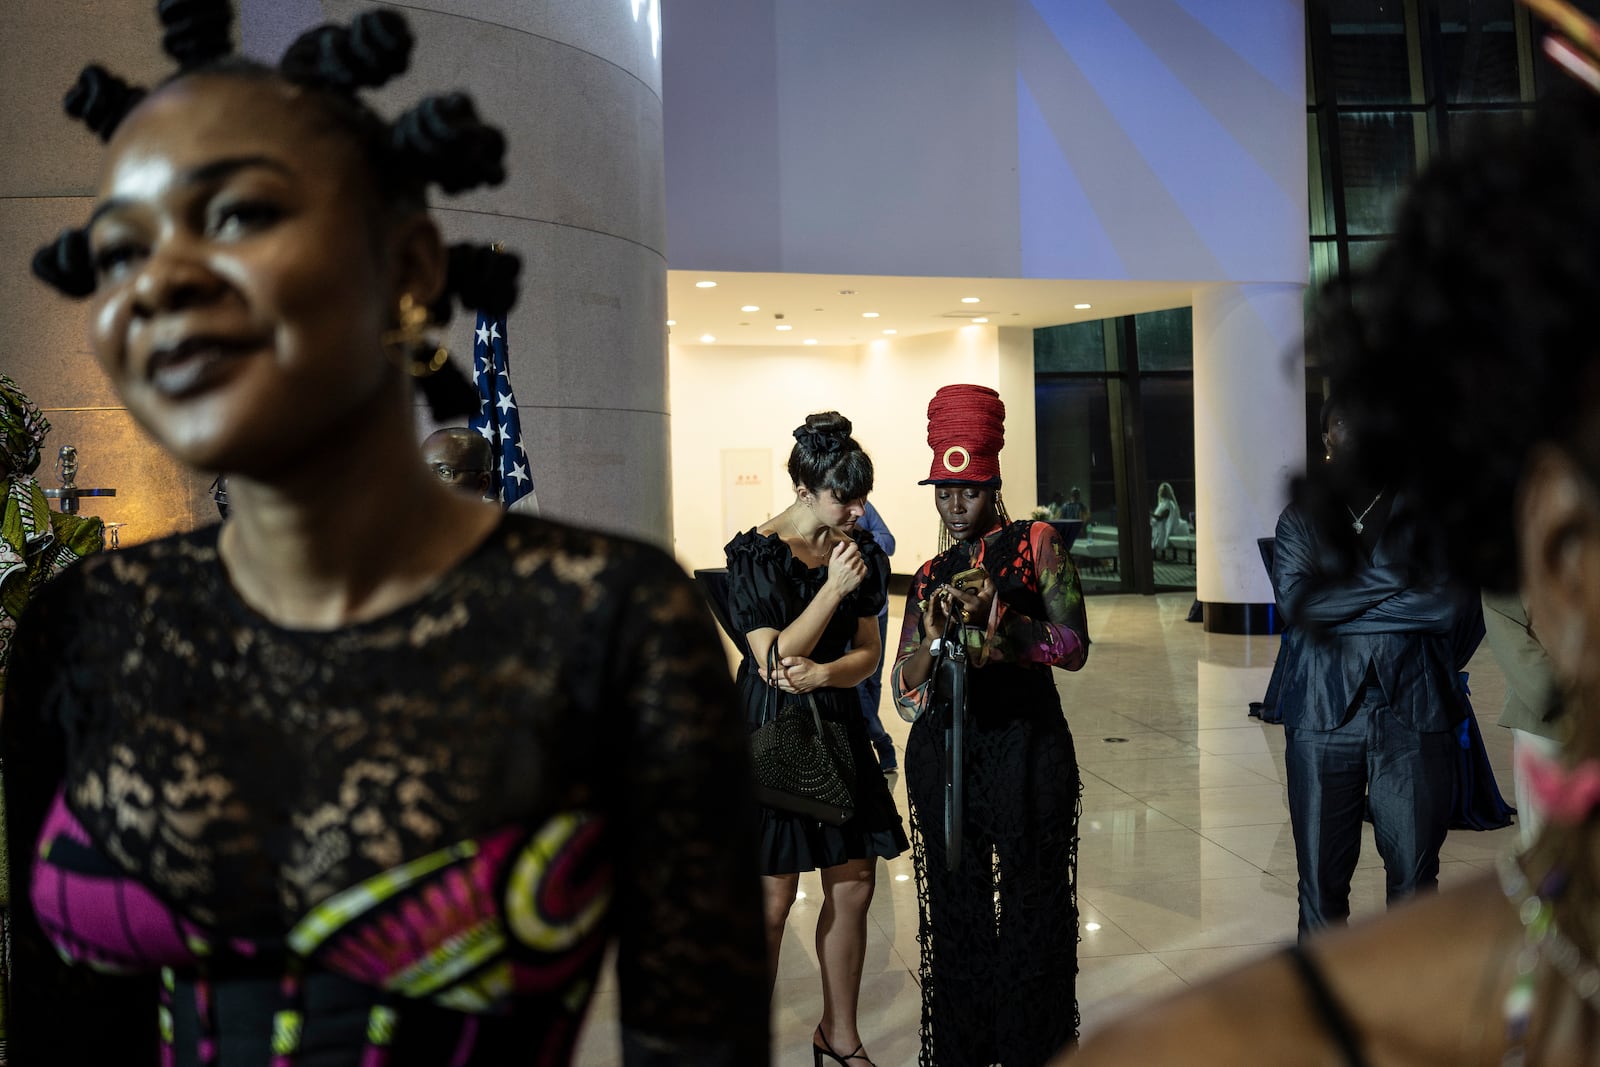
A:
[497,419]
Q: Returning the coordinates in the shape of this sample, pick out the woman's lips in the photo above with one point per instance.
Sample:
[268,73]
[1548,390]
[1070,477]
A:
[193,365]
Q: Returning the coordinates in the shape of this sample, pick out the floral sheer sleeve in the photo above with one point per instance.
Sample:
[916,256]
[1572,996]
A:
[1061,638]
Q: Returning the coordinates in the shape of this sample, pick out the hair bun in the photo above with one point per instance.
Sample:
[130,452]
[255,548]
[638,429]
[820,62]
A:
[374,48]
[66,264]
[101,99]
[196,31]
[445,141]
[820,442]
[481,278]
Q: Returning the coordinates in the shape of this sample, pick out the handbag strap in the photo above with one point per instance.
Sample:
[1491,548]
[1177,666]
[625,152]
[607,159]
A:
[769,706]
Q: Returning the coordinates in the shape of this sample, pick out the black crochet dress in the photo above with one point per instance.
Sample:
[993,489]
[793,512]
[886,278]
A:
[999,934]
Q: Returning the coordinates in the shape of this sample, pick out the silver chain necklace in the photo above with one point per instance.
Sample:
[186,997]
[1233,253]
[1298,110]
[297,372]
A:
[1357,525]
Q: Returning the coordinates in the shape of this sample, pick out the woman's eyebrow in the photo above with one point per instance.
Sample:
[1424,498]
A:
[204,174]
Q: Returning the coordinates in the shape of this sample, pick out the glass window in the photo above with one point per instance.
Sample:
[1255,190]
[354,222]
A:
[1319,199]
[1166,339]
[1379,150]
[1077,346]
[1469,126]
[1169,460]
[1324,264]
[1073,446]
[1364,253]
[1478,47]
[1371,51]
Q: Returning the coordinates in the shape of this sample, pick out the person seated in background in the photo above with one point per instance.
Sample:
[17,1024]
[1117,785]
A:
[1466,358]
[461,458]
[1074,507]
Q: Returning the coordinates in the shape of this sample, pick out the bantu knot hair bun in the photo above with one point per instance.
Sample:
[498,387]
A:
[65,263]
[196,31]
[366,54]
[483,279]
[443,140]
[101,99]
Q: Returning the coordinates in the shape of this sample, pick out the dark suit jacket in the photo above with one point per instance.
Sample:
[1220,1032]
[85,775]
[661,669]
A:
[1415,634]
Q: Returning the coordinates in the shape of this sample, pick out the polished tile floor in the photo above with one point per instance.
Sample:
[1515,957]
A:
[1186,865]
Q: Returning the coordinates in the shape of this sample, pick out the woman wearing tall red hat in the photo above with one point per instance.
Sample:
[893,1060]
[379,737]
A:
[998,927]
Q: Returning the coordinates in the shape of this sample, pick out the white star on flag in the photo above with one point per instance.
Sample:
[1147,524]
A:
[498,418]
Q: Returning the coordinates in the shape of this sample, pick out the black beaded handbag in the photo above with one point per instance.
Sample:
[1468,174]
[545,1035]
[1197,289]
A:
[803,764]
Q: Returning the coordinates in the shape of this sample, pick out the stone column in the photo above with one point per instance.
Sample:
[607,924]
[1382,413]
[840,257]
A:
[575,84]
[1249,429]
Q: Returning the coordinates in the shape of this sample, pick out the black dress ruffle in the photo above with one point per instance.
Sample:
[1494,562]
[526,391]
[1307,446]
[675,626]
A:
[769,587]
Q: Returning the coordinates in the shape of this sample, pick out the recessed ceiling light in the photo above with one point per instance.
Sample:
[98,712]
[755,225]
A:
[785,326]
[969,300]
[672,322]
[810,340]
[706,338]
[751,307]
[705,285]
[847,292]
[980,319]
[869,314]
[1083,307]
[891,331]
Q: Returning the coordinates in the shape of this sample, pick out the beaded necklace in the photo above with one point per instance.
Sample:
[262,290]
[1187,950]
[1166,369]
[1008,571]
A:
[1542,939]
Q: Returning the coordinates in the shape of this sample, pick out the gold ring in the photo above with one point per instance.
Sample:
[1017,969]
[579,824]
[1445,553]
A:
[949,459]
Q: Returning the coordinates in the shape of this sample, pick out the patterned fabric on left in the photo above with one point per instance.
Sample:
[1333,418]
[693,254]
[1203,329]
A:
[412,836]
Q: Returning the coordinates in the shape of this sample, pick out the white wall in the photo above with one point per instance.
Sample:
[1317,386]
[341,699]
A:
[1138,139]
[726,397]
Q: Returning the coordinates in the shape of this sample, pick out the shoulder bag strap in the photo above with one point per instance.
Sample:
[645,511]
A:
[770,706]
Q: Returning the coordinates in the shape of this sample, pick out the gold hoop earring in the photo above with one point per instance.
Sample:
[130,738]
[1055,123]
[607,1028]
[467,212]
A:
[409,342]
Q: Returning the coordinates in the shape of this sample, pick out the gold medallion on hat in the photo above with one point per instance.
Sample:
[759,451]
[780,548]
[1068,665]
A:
[950,463]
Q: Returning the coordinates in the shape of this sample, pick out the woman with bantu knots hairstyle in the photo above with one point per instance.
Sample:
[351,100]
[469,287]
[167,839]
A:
[809,582]
[999,932]
[330,795]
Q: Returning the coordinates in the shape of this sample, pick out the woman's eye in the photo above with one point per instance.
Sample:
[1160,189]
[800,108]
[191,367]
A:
[237,219]
[111,258]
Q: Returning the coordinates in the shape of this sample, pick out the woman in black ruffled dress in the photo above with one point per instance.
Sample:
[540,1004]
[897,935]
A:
[812,582]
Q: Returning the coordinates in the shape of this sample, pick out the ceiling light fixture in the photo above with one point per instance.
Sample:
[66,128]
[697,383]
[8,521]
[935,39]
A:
[1082,307]
[751,307]
[869,314]
[810,340]
[969,300]
[891,331]
[980,320]
[705,285]
[706,338]
[785,326]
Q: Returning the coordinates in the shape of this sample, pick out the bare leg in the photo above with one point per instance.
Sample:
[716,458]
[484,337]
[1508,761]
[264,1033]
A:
[841,949]
[778,892]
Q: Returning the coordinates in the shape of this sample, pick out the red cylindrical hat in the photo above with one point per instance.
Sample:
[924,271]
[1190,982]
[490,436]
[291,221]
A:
[966,430]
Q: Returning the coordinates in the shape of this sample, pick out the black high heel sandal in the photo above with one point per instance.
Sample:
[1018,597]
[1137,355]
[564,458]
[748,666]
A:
[825,1049]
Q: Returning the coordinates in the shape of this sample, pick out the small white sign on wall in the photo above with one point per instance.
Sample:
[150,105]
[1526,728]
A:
[746,489]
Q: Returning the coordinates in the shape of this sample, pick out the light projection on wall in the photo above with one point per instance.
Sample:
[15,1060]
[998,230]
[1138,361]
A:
[650,11]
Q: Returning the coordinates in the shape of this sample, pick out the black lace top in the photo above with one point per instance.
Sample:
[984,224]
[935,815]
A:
[236,780]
